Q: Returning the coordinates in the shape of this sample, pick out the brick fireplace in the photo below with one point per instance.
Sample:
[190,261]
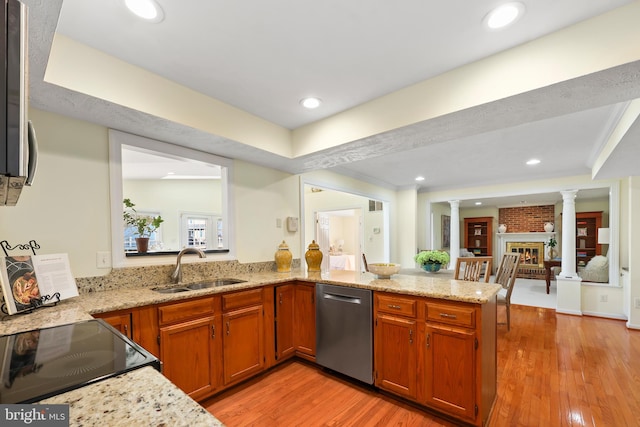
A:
[526,236]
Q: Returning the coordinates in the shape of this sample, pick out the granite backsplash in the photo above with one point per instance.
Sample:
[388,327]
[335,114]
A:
[132,277]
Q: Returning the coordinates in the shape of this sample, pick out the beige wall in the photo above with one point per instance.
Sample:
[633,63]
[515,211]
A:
[67,208]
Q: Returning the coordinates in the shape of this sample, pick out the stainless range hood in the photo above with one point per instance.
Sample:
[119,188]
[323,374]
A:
[18,146]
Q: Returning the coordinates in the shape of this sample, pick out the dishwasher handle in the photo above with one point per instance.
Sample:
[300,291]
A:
[342,298]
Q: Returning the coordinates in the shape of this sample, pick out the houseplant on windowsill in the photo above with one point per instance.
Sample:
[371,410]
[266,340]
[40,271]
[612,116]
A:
[432,261]
[145,225]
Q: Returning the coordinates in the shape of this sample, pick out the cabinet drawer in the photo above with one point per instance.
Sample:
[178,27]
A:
[241,299]
[191,309]
[451,314]
[396,305]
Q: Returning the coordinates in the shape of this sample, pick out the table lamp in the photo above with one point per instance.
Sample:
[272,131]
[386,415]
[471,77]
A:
[603,238]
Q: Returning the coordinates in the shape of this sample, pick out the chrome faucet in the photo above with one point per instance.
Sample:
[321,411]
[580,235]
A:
[176,277]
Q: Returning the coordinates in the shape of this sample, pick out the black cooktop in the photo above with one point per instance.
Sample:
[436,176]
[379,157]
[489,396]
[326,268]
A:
[44,362]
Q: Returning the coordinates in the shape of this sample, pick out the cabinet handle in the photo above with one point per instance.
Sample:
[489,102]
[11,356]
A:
[213,331]
[410,336]
[228,328]
[448,316]
[428,340]
[281,298]
[397,307]
[126,330]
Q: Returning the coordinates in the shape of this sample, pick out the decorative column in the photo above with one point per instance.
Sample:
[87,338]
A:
[568,268]
[569,300]
[454,232]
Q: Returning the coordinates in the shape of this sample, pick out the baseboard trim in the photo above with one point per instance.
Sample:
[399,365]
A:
[572,312]
[605,315]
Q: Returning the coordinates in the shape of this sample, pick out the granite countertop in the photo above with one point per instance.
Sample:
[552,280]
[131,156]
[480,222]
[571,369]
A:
[145,394]
[140,397]
[439,285]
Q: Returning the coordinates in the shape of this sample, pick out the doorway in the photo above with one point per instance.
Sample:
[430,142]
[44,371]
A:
[339,235]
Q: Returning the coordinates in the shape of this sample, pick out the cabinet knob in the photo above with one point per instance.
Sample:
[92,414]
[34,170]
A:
[410,336]
[213,331]
[428,340]
[228,328]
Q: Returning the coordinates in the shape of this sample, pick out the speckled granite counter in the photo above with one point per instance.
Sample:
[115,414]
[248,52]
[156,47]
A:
[439,285]
[134,396]
[140,397]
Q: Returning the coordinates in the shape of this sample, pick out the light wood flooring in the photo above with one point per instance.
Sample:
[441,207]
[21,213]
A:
[553,370]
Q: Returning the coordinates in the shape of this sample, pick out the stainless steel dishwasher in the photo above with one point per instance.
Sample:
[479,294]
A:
[344,331]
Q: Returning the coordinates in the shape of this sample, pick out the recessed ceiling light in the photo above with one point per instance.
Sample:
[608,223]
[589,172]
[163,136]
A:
[311,102]
[504,15]
[149,10]
[478,203]
[533,162]
[419,178]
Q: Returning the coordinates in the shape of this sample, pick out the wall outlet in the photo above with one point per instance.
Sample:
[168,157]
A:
[604,298]
[103,259]
[278,223]
[636,302]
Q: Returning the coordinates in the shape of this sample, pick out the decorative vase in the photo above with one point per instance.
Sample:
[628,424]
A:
[552,253]
[313,257]
[502,228]
[283,258]
[548,227]
[142,244]
[431,267]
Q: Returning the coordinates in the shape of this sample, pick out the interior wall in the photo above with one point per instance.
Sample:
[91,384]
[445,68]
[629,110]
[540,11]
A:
[67,209]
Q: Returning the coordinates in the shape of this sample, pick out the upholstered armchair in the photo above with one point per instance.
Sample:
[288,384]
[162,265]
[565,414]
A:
[596,270]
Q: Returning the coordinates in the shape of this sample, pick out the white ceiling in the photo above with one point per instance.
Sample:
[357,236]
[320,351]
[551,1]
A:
[263,57]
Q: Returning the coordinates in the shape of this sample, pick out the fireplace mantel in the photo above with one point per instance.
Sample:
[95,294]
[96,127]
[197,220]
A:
[503,238]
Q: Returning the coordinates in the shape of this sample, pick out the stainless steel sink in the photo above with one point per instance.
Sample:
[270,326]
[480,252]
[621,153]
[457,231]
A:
[214,283]
[170,290]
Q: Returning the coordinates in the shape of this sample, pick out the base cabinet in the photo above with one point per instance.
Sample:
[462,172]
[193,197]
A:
[120,321]
[440,354]
[449,367]
[189,356]
[243,335]
[395,355]
[437,353]
[284,307]
[140,324]
[304,320]
[190,345]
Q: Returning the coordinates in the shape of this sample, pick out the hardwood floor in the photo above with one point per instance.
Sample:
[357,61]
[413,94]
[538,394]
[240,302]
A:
[553,370]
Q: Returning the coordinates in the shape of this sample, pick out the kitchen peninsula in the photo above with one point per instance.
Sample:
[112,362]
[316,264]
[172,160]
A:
[442,310]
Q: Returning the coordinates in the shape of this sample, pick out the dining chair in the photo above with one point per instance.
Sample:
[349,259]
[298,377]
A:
[471,268]
[506,277]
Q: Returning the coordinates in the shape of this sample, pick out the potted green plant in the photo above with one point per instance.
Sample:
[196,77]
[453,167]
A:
[432,260]
[551,244]
[145,225]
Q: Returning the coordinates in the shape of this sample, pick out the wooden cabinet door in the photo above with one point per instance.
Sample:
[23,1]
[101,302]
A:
[395,355]
[122,322]
[450,371]
[304,324]
[188,354]
[243,343]
[284,309]
[145,328]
